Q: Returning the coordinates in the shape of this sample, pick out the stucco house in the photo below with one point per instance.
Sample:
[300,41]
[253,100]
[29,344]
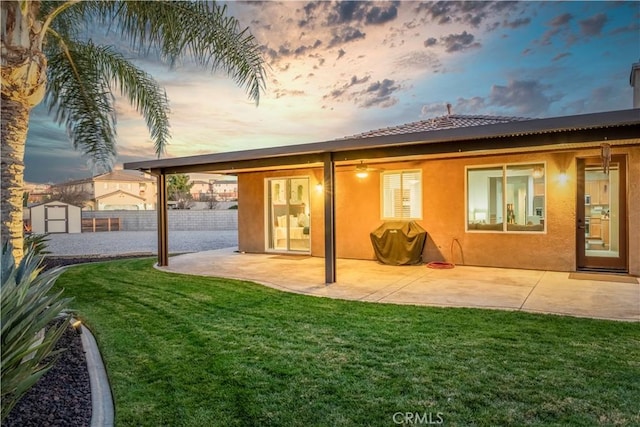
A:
[116,190]
[557,193]
[220,189]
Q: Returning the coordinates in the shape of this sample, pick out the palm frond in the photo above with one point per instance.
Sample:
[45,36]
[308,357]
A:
[201,31]
[80,98]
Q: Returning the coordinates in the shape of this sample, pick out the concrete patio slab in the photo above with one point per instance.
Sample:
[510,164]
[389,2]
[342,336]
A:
[463,286]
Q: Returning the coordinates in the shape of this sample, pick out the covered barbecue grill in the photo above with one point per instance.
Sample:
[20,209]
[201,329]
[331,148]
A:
[399,242]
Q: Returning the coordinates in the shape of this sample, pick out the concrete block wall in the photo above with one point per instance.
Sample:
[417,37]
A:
[179,220]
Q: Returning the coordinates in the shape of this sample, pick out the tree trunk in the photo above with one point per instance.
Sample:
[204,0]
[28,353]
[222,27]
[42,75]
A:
[15,118]
[23,68]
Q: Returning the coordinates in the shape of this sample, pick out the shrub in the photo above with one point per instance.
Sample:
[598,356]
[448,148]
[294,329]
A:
[28,335]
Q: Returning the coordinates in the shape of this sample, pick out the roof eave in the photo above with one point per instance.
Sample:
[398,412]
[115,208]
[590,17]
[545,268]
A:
[313,152]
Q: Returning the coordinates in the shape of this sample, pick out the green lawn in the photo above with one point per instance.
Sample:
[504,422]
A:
[194,351]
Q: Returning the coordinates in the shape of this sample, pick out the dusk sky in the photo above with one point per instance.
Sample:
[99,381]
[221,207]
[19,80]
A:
[340,68]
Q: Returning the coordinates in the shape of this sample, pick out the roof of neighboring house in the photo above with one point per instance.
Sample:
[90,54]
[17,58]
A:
[462,135]
[437,123]
[123,175]
[117,175]
[104,196]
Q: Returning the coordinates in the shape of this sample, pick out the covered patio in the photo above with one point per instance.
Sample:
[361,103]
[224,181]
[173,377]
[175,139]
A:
[574,294]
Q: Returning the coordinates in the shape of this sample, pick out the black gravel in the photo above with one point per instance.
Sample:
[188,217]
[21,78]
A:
[62,397]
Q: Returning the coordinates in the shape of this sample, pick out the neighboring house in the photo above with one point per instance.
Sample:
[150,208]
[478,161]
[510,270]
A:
[556,193]
[38,193]
[116,190]
[221,190]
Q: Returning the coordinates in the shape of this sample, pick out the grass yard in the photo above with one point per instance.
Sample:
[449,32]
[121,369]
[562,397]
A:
[195,351]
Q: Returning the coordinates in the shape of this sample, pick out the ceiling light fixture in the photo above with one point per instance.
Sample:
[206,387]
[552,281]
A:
[361,170]
[538,172]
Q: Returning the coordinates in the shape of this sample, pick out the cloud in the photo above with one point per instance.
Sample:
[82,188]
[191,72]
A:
[558,25]
[560,56]
[337,92]
[302,49]
[516,23]
[459,42]
[419,60]
[345,12]
[561,20]
[431,41]
[281,93]
[356,81]
[524,96]
[469,13]
[378,15]
[344,35]
[379,94]
[593,26]
[360,12]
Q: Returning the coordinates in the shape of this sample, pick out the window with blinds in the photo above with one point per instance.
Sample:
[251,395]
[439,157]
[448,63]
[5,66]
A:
[402,194]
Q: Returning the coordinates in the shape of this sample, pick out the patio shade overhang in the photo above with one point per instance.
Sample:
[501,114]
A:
[570,132]
[567,131]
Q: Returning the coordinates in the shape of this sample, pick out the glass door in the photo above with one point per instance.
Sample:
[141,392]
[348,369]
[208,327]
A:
[288,214]
[601,215]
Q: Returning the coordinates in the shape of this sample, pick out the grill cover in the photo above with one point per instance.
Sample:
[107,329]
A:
[399,242]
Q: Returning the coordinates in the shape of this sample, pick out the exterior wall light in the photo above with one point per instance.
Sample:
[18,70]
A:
[563,178]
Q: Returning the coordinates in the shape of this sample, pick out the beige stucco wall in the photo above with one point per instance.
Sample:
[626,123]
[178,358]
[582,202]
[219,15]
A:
[358,213]
[149,195]
[120,199]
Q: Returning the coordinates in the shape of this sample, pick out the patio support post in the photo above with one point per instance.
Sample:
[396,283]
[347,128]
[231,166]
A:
[329,219]
[163,228]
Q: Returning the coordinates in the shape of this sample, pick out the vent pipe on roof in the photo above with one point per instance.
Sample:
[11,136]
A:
[449,108]
[634,80]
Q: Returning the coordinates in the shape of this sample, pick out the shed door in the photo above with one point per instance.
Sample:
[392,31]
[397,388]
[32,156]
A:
[602,215]
[56,219]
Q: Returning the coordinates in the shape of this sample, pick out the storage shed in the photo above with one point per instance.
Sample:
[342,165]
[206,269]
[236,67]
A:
[56,217]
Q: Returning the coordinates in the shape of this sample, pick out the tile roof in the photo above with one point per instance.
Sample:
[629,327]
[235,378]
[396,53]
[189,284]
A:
[438,123]
[122,175]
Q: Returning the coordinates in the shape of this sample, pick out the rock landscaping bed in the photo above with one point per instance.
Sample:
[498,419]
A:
[62,397]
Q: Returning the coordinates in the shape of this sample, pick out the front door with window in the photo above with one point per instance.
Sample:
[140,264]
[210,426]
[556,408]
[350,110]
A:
[601,215]
[288,216]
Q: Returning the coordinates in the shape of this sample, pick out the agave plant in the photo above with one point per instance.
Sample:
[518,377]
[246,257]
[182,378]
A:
[29,332]
[37,243]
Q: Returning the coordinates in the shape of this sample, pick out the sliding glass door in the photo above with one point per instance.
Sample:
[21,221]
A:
[288,216]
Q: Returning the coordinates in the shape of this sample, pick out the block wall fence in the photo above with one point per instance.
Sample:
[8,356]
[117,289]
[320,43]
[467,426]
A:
[179,220]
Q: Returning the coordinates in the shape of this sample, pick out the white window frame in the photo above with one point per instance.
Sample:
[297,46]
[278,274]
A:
[382,195]
[504,167]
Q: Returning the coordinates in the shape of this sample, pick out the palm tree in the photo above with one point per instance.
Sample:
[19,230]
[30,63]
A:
[46,56]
